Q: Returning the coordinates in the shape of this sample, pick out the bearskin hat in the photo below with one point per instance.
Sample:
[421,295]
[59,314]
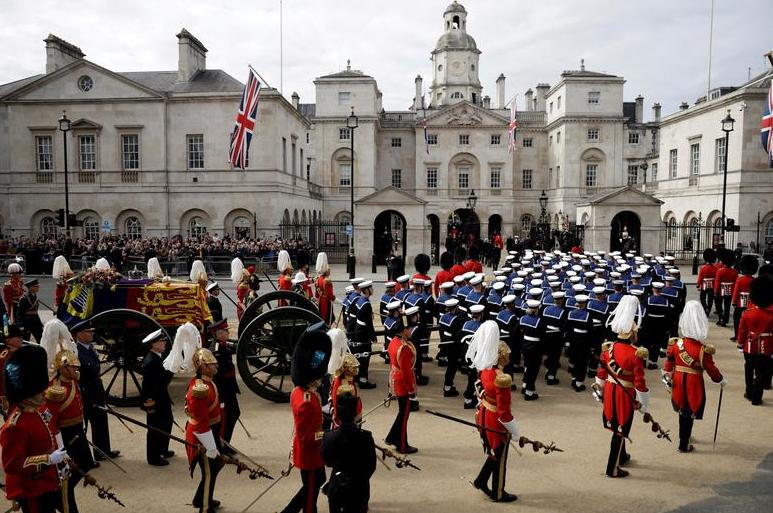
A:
[346,405]
[26,373]
[727,257]
[311,355]
[302,258]
[766,269]
[709,255]
[422,263]
[749,264]
[459,255]
[446,260]
[761,290]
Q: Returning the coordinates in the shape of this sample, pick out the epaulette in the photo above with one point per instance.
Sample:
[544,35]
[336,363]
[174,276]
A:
[503,380]
[709,349]
[55,393]
[606,346]
[673,340]
[642,352]
[200,389]
[306,397]
[13,418]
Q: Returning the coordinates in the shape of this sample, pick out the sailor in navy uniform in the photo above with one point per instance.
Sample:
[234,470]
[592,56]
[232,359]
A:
[579,326]
[555,324]
[464,289]
[508,330]
[655,323]
[428,315]
[450,324]
[345,302]
[417,299]
[672,294]
[446,293]
[468,330]
[364,334]
[393,325]
[404,288]
[386,298]
[494,299]
[531,330]
[475,296]
[599,311]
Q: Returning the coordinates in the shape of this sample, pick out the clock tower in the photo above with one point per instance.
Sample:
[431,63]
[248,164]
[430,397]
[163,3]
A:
[455,62]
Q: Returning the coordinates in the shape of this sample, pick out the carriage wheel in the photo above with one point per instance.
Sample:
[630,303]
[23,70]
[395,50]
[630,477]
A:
[266,348]
[118,336]
[271,301]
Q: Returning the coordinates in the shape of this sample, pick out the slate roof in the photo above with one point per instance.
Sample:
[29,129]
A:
[586,74]
[308,110]
[17,84]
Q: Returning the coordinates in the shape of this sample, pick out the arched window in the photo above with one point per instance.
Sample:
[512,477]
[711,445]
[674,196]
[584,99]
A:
[526,222]
[769,231]
[91,228]
[457,96]
[197,227]
[48,226]
[718,225]
[672,228]
[133,228]
[242,227]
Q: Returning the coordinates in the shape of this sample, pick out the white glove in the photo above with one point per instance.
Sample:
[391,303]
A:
[327,408]
[511,427]
[600,382]
[644,400]
[56,457]
[723,382]
[208,441]
[59,441]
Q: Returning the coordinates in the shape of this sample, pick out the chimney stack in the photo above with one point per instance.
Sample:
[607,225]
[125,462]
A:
[542,92]
[486,102]
[656,112]
[529,99]
[192,56]
[417,99]
[639,109]
[60,53]
[684,106]
[501,91]
[296,100]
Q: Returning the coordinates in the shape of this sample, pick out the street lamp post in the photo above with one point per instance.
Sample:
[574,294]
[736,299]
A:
[352,122]
[544,224]
[64,126]
[727,127]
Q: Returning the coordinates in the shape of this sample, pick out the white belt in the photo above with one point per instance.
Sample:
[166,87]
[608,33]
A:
[580,331]
[658,316]
[447,334]
[554,328]
[504,332]
[361,323]
[530,339]
[596,322]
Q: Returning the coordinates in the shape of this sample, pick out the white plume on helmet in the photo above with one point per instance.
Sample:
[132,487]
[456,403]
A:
[198,272]
[61,268]
[322,266]
[154,269]
[623,318]
[340,349]
[237,269]
[14,268]
[55,338]
[693,322]
[484,346]
[102,264]
[283,261]
[186,341]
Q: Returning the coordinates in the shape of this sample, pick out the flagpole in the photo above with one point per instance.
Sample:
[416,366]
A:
[711,38]
[260,76]
[281,50]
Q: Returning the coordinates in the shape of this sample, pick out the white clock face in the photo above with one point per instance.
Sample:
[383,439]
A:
[458,67]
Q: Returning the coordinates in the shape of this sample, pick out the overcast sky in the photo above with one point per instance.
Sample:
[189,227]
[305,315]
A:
[659,46]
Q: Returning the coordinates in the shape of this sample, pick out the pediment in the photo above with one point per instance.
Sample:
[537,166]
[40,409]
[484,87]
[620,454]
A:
[624,196]
[465,114]
[63,84]
[85,124]
[390,196]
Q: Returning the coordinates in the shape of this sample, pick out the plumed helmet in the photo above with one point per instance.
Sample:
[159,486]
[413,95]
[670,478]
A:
[203,356]
[302,258]
[59,345]
[102,265]
[693,322]
[761,290]
[339,349]
[283,261]
[710,255]
[321,265]
[187,341]
[311,355]
[623,319]
[446,260]
[61,269]
[749,264]
[14,268]
[66,357]
[25,373]
[154,269]
[237,271]
[422,263]
[198,272]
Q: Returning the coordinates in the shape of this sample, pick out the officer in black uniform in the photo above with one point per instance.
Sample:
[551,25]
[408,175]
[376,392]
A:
[27,311]
[351,452]
[225,379]
[213,302]
[450,325]
[155,399]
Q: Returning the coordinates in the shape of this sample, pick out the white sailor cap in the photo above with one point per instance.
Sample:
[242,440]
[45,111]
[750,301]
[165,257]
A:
[536,291]
[647,255]
[599,290]
[356,281]
[418,281]
[412,310]
[576,268]
[518,286]
[509,257]
[390,284]
[450,303]
[599,281]
[516,265]
[476,280]
[533,303]
[638,259]
[498,285]
[507,269]
[501,278]
[668,278]
[559,294]
[618,282]
[518,280]
[154,336]
[674,270]
[575,279]
[581,298]
[589,274]
[477,309]
[551,271]
[365,284]
[614,274]
[579,287]
[571,273]
[576,255]
[628,255]
[499,273]
[403,278]
[212,286]
[584,262]
[658,284]
[393,305]
[554,279]
[536,283]
[468,275]
[427,283]
[522,273]
[670,258]
[447,285]
[636,292]
[348,289]
[536,276]
[458,279]
[509,298]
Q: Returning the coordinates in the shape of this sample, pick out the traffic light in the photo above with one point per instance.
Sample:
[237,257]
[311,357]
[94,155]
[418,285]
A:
[71,221]
[731,226]
[60,217]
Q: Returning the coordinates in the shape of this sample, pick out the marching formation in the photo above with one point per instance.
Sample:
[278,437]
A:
[614,316]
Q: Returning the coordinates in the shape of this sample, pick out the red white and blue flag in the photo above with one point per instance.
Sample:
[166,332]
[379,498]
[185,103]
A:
[245,122]
[512,126]
[766,125]
[426,135]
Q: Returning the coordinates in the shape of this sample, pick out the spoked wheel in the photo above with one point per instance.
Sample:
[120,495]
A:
[266,348]
[271,301]
[118,336]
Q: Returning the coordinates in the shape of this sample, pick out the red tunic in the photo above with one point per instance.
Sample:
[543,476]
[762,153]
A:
[473,266]
[707,272]
[755,332]
[687,359]
[420,276]
[325,295]
[202,405]
[742,286]
[241,295]
[13,290]
[61,290]
[402,357]
[63,399]
[725,275]
[457,270]
[441,277]
[284,282]
[494,408]
[334,396]
[27,440]
[4,355]
[307,436]
[620,358]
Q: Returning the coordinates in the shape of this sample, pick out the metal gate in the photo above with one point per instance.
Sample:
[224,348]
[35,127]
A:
[686,240]
[328,236]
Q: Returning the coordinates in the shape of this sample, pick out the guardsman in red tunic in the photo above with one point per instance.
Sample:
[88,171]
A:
[705,282]
[422,263]
[285,268]
[202,405]
[402,378]
[63,400]
[13,290]
[686,360]
[621,375]
[755,338]
[240,277]
[61,272]
[323,286]
[29,450]
[343,368]
[13,341]
[309,365]
[740,299]
[490,356]
[724,281]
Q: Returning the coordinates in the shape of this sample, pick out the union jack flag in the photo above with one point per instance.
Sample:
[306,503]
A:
[426,135]
[512,126]
[766,125]
[245,121]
